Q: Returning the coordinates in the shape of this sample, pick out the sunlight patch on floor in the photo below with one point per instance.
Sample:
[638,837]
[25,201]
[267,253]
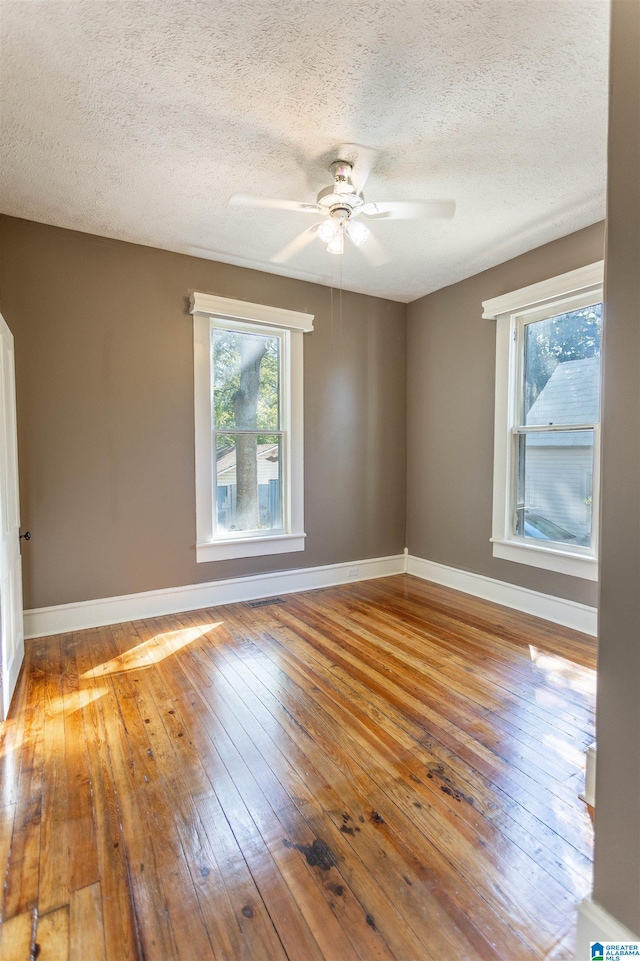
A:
[562,673]
[75,701]
[10,755]
[151,652]
[568,752]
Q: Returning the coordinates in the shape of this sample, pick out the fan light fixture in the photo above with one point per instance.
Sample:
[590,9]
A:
[331,232]
[327,231]
[336,244]
[357,232]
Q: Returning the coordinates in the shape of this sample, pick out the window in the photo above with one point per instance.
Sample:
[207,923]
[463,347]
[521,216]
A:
[547,423]
[248,428]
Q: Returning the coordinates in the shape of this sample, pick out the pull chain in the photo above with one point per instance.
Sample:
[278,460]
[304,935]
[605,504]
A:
[332,292]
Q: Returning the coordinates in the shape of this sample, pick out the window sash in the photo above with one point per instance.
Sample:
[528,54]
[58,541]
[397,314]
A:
[220,533]
[546,428]
[523,320]
[284,407]
[277,333]
[517,503]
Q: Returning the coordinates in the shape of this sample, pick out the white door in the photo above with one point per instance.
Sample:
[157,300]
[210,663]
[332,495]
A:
[11,622]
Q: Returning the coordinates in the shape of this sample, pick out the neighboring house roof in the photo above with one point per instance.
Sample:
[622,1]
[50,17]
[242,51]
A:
[226,461]
[570,396]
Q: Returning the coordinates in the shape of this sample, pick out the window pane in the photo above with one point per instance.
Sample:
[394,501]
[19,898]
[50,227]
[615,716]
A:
[246,380]
[554,487]
[562,368]
[248,482]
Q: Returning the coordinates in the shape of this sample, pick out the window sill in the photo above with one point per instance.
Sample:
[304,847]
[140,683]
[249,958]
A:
[224,550]
[548,558]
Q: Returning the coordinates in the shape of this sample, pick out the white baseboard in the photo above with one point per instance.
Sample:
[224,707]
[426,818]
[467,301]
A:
[580,617]
[62,618]
[44,621]
[589,793]
[596,924]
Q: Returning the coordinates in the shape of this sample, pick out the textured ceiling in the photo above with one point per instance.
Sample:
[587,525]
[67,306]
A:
[137,120]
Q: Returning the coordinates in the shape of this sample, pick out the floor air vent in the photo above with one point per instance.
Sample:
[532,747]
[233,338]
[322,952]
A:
[265,601]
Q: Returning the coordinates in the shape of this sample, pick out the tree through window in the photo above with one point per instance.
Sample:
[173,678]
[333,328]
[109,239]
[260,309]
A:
[247,424]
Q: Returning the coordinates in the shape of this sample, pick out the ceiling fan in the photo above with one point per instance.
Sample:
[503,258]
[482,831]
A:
[341,205]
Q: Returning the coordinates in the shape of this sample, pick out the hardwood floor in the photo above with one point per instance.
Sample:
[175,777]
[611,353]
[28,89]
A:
[385,770]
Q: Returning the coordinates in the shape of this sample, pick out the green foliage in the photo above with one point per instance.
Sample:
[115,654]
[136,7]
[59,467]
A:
[226,380]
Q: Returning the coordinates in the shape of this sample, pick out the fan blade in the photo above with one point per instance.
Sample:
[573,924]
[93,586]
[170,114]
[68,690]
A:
[273,203]
[408,209]
[362,158]
[374,251]
[294,246]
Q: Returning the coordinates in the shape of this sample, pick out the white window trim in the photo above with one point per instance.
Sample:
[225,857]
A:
[205,308]
[508,310]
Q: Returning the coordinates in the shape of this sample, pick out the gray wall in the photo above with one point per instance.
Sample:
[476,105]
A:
[617,822]
[105,411]
[450,408]
[104,367]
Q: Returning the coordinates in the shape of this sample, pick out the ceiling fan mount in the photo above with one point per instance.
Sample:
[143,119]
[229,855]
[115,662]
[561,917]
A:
[341,199]
[341,204]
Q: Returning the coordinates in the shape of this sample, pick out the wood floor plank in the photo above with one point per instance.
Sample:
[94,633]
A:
[17,937]
[7,820]
[296,933]
[23,872]
[52,935]
[12,735]
[381,771]
[164,869]
[83,853]
[131,779]
[236,917]
[54,842]
[86,927]
[118,915]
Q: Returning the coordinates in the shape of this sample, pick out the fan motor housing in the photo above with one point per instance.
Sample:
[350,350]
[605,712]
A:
[334,196]
[341,198]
